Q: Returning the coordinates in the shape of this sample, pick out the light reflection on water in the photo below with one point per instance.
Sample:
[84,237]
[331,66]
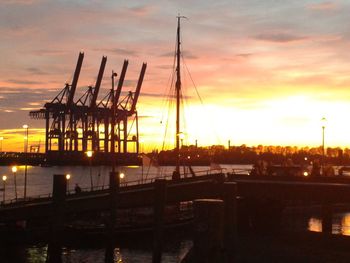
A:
[340,224]
[38,255]
[315,224]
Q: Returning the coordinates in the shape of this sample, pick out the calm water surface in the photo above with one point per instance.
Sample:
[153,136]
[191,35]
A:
[38,254]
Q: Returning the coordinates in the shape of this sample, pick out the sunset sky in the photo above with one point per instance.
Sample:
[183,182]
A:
[267,71]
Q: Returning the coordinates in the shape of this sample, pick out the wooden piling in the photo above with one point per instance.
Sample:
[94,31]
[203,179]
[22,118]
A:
[54,251]
[159,207]
[209,230]
[114,183]
[327,215]
[230,211]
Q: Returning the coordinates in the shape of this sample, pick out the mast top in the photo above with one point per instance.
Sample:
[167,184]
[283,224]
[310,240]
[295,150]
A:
[179,17]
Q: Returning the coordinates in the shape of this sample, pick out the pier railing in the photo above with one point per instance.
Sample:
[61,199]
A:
[124,183]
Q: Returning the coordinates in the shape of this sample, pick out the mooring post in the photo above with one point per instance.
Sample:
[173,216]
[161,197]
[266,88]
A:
[110,225]
[327,215]
[159,207]
[54,251]
[209,230]
[230,221]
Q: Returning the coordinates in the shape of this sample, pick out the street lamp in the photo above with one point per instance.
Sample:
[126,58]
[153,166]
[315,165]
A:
[323,123]
[4,178]
[26,128]
[114,111]
[89,155]
[14,171]
[68,178]
[121,177]
[181,135]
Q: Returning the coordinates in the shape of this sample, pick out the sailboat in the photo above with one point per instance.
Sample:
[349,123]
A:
[178,94]
[178,86]
[179,132]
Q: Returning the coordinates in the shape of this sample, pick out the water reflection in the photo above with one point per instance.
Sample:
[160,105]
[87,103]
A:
[315,224]
[36,254]
[345,229]
[340,224]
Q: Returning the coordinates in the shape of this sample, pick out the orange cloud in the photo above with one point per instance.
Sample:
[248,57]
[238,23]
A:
[324,6]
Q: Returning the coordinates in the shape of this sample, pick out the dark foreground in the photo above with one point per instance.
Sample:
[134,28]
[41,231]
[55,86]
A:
[293,248]
[286,247]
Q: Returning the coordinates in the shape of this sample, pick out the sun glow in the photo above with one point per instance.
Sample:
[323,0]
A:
[287,120]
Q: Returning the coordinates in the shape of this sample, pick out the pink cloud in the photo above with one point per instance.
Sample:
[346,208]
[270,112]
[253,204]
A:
[143,10]
[21,2]
[280,37]
[324,6]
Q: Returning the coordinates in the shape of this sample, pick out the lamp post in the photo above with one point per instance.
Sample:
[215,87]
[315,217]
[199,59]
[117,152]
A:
[26,129]
[121,176]
[181,135]
[68,178]
[14,171]
[114,110]
[323,122]
[1,139]
[89,155]
[4,178]
[114,189]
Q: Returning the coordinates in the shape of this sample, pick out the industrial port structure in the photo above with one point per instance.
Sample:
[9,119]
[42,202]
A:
[75,126]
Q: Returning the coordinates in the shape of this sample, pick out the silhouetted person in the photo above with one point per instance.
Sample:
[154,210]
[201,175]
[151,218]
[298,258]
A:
[328,170]
[176,175]
[259,168]
[77,189]
[255,170]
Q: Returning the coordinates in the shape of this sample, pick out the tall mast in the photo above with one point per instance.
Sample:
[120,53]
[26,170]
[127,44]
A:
[178,93]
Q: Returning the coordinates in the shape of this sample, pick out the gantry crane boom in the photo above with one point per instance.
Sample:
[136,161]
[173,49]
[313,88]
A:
[98,82]
[75,80]
[121,82]
[138,88]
